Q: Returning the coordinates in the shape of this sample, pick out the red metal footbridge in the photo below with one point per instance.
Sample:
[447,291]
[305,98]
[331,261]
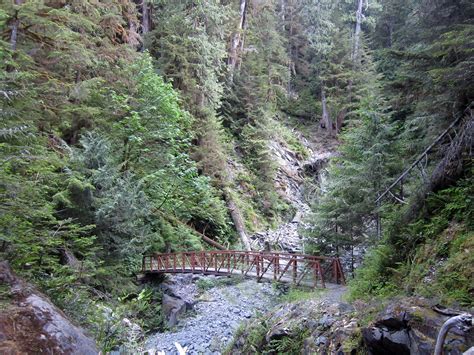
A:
[299,269]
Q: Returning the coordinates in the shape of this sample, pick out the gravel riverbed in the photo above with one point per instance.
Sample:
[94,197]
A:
[217,313]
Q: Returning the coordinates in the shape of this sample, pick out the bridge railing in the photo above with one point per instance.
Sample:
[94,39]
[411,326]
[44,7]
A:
[299,269]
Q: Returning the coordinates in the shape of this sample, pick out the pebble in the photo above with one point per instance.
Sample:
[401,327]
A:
[213,324]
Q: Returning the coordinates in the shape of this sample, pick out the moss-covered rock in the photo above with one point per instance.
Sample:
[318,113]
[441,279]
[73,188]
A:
[398,326]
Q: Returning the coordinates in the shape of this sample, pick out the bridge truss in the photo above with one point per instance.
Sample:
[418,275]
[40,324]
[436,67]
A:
[299,269]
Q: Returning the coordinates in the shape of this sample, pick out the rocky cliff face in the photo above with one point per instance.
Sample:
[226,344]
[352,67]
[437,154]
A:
[292,171]
[31,324]
[405,326]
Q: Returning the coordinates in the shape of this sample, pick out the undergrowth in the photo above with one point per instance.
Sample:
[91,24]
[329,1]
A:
[204,284]
[294,294]
[433,256]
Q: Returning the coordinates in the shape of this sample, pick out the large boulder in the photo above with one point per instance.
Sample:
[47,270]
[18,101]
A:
[172,308]
[179,292]
[411,326]
[31,324]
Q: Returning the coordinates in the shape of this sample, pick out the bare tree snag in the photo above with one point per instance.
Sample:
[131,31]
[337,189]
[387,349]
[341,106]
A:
[237,38]
[359,17]
[145,17]
[14,26]
[325,119]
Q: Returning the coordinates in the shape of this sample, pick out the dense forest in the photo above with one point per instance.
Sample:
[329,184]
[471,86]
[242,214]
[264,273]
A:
[133,127]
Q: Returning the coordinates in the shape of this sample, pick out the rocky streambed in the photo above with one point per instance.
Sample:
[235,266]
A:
[210,315]
[204,312]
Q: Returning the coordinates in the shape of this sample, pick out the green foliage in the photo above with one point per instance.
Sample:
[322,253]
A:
[96,166]
[356,176]
[204,284]
[288,344]
[103,159]
[298,294]
[255,337]
[373,279]
[250,118]
[439,246]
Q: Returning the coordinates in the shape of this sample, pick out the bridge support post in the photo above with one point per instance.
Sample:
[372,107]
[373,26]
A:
[323,283]
[315,273]
[257,264]
[275,267]
[341,273]
[203,262]
[295,269]
[215,262]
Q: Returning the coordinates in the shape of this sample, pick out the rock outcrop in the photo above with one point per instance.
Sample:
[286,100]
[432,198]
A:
[179,292]
[307,327]
[289,182]
[405,326]
[410,326]
[31,324]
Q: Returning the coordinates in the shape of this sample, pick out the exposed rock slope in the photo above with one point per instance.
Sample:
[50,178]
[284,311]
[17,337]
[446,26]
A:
[292,171]
[31,324]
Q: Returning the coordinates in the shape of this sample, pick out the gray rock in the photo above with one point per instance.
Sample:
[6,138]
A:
[326,321]
[217,315]
[32,324]
[321,340]
[172,309]
[383,341]
[410,326]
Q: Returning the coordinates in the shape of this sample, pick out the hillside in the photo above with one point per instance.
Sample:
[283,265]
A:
[327,127]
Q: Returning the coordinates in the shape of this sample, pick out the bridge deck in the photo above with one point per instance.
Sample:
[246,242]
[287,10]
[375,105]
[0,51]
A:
[300,269]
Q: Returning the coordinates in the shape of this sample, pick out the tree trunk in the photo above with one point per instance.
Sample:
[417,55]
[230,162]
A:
[340,119]
[352,253]
[291,63]
[237,219]
[145,17]
[282,13]
[14,27]
[325,119]
[236,38]
[390,34]
[378,221]
[359,16]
